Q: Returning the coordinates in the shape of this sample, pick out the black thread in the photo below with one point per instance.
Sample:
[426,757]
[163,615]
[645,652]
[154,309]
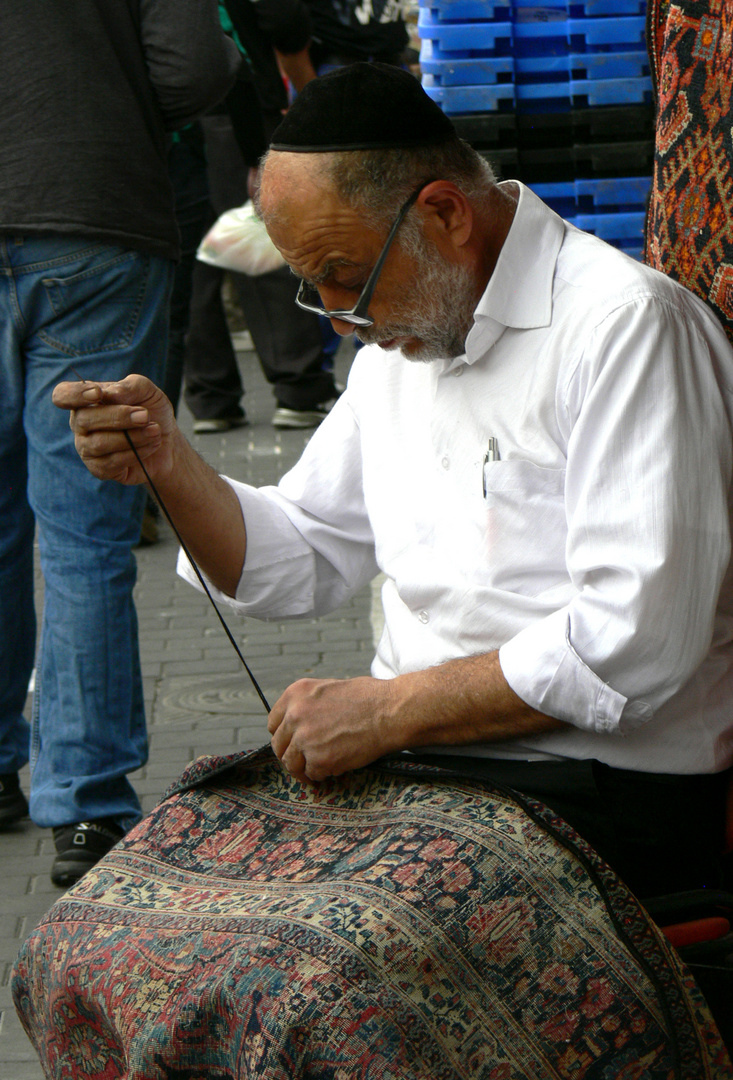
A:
[198,573]
[190,558]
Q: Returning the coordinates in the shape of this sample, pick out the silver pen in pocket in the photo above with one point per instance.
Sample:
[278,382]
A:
[492,454]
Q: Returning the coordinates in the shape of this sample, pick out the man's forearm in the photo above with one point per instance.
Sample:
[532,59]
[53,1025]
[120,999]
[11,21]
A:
[106,417]
[464,701]
[297,67]
[208,516]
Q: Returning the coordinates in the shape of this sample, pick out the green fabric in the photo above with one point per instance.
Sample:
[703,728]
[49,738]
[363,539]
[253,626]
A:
[228,27]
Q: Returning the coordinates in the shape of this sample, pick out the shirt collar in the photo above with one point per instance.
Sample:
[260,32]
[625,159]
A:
[519,292]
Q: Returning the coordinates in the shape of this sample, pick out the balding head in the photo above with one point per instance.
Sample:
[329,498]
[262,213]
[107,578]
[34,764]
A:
[329,214]
[376,182]
[284,176]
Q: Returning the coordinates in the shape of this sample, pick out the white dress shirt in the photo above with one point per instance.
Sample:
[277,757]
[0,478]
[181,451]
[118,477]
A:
[593,553]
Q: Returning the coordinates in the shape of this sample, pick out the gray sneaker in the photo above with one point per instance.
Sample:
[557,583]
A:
[218,424]
[301,418]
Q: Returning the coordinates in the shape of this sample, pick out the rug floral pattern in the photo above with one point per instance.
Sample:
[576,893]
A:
[393,924]
[689,232]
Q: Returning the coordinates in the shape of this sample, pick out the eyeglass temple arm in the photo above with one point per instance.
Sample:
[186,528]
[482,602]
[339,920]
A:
[363,302]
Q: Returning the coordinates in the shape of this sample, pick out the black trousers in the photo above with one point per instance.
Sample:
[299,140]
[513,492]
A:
[288,340]
[660,833]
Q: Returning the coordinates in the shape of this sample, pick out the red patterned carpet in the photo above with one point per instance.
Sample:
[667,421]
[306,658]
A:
[392,924]
[690,219]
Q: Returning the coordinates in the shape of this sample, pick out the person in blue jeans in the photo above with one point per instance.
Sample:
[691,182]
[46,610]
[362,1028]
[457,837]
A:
[88,244]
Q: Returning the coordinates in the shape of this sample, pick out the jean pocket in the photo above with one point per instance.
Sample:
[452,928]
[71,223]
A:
[526,525]
[95,308]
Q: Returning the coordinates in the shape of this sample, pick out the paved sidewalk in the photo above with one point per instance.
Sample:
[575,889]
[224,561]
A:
[198,698]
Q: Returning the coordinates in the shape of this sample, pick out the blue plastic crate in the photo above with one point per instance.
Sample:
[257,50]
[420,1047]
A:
[598,8]
[468,10]
[623,225]
[622,194]
[620,65]
[482,98]
[465,40]
[624,231]
[576,92]
[599,92]
[539,14]
[479,71]
[614,191]
[539,11]
[564,36]
[560,196]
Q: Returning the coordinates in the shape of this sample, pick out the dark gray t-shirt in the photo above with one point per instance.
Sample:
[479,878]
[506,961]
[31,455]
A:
[89,90]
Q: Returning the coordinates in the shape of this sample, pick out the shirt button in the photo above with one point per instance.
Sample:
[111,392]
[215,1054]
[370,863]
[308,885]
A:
[458,371]
[445,463]
[424,617]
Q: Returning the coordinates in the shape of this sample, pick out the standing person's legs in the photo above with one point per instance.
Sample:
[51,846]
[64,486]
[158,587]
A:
[213,384]
[290,345]
[103,312]
[289,341]
[17,613]
[187,172]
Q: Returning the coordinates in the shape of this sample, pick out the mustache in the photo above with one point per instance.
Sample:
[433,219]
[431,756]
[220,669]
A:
[375,335]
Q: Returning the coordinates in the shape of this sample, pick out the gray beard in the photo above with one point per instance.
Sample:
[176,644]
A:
[437,310]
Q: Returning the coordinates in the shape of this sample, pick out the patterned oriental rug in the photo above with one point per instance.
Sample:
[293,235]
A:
[689,229]
[393,924]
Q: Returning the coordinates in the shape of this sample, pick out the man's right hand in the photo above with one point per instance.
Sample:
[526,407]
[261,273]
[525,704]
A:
[101,413]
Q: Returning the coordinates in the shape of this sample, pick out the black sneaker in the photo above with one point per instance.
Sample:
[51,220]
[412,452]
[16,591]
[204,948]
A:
[79,847]
[13,803]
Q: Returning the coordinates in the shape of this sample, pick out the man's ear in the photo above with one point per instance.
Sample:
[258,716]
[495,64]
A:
[447,217]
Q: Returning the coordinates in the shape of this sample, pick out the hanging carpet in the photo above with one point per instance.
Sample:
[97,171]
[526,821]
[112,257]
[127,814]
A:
[689,227]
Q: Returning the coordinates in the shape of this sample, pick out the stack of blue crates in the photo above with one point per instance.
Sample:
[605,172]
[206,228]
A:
[557,94]
[612,208]
[467,54]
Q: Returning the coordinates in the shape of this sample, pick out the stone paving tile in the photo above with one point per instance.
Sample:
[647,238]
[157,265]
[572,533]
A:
[198,698]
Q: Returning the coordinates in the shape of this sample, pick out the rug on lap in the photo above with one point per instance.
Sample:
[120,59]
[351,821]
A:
[391,924]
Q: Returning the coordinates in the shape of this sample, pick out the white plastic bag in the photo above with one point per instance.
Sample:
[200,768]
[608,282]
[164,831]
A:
[239,241]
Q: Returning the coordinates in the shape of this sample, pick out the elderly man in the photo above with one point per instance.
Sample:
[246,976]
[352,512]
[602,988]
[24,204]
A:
[547,491]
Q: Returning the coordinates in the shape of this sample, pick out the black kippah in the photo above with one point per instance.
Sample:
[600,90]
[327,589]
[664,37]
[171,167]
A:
[362,107]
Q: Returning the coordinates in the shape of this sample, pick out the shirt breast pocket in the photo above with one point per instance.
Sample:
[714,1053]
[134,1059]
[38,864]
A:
[526,526]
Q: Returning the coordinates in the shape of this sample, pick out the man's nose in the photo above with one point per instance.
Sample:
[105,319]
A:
[333,299]
[342,328]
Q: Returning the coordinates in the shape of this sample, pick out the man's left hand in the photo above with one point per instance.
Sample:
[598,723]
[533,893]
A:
[325,727]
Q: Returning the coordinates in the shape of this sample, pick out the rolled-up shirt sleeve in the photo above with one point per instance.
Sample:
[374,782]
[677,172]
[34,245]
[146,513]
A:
[648,538]
[309,540]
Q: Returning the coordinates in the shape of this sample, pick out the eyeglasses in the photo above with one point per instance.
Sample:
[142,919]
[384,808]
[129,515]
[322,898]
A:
[309,298]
